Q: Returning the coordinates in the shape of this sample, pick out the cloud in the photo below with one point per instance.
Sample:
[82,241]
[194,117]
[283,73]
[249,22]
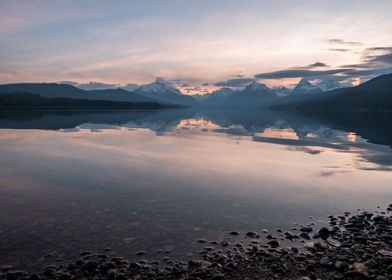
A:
[298,73]
[381,55]
[317,64]
[339,50]
[368,72]
[240,82]
[339,41]
[389,49]
[375,61]
[311,66]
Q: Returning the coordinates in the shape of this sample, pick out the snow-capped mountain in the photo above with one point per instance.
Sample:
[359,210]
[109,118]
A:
[331,83]
[218,97]
[130,87]
[163,91]
[328,84]
[254,94]
[96,86]
[282,91]
[306,87]
[257,88]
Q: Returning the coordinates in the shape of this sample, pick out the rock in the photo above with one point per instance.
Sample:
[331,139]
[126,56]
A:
[361,268]
[353,274]
[72,266]
[234,233]
[121,277]
[304,235]
[65,276]
[107,265]
[218,276]
[224,243]
[273,243]
[306,229]
[34,277]
[324,233]
[341,266]
[140,253]
[326,262]
[5,267]
[252,234]
[16,274]
[89,266]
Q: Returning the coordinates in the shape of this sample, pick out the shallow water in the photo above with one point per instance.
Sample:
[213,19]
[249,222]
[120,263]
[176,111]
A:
[161,180]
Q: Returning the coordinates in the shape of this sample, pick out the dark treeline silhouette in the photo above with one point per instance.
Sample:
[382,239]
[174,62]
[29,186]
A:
[24,100]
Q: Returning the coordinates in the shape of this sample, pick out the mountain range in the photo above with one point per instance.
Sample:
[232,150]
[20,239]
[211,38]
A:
[374,95]
[303,95]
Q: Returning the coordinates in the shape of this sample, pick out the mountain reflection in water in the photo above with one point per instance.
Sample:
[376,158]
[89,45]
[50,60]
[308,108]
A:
[132,181]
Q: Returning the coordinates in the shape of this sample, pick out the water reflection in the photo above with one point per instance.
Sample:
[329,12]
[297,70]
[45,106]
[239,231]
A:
[161,180]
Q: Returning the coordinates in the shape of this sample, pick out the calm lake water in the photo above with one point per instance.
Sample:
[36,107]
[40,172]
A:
[162,180]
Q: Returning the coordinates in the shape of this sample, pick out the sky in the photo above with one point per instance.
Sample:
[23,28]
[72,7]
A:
[199,45]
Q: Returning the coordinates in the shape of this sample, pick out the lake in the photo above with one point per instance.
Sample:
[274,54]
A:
[158,181]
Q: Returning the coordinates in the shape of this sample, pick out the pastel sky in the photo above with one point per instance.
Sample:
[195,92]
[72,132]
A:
[214,42]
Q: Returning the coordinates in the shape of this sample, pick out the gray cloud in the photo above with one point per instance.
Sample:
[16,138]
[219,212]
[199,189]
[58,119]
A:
[385,57]
[368,72]
[339,41]
[311,66]
[375,61]
[339,50]
[240,82]
[298,73]
[317,64]
[388,49]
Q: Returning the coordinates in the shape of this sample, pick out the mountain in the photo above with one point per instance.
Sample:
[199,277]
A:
[25,100]
[163,91]
[374,95]
[306,87]
[282,91]
[218,97]
[130,87]
[329,84]
[53,90]
[201,97]
[254,94]
[96,86]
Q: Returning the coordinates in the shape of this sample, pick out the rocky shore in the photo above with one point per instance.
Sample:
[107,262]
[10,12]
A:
[353,246]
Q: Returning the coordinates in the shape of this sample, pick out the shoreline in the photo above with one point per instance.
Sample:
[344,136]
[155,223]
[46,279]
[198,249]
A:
[352,246]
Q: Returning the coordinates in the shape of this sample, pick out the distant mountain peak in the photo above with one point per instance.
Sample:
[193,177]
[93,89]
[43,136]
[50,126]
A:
[164,91]
[224,91]
[160,86]
[304,86]
[331,83]
[255,86]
